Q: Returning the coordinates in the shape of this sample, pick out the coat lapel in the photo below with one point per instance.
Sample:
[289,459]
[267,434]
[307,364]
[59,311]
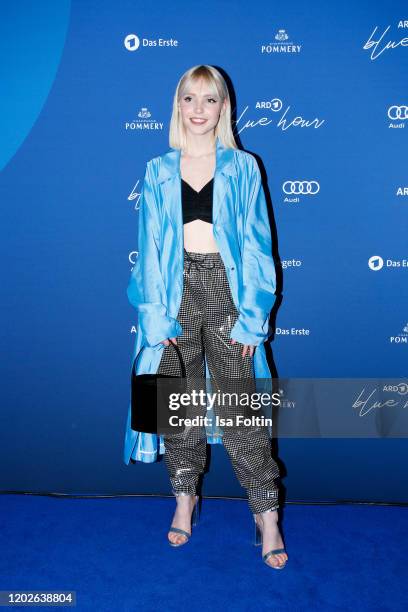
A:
[169,180]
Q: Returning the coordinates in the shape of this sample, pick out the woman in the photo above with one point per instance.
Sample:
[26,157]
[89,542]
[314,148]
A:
[205,281]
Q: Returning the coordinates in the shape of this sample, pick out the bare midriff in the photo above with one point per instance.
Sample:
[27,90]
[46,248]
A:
[199,238]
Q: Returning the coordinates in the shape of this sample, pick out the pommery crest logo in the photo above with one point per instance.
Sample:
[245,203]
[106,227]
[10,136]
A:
[281,35]
[143,122]
[144,113]
[402,337]
[281,44]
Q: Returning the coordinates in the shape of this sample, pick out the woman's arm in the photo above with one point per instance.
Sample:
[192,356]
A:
[146,290]
[258,269]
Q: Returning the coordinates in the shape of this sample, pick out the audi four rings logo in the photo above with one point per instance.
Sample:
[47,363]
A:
[398,112]
[301,187]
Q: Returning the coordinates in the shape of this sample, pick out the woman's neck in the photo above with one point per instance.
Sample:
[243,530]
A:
[186,154]
[196,149]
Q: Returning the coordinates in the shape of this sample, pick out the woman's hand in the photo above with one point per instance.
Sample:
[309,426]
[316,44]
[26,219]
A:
[248,348]
[167,341]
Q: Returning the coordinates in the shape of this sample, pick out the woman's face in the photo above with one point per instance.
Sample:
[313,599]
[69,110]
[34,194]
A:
[200,110]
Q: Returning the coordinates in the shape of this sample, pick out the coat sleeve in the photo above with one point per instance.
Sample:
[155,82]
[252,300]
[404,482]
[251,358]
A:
[258,269]
[146,290]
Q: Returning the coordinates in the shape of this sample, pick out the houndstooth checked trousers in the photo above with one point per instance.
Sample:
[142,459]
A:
[207,314]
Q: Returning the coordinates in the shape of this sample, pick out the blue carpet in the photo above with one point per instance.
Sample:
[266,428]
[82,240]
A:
[113,553]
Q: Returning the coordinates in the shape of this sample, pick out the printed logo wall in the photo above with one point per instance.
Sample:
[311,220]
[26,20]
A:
[319,96]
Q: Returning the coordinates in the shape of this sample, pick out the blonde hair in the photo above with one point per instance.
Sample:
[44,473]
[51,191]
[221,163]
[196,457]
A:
[215,81]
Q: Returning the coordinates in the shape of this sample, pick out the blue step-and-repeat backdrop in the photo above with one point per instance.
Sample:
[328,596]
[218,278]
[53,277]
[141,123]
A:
[320,96]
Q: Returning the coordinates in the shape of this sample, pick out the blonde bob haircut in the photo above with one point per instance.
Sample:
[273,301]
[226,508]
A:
[218,87]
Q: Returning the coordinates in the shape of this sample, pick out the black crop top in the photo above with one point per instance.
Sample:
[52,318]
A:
[197,204]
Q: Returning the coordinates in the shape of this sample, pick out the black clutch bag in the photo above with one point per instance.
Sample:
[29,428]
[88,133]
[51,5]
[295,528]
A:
[150,399]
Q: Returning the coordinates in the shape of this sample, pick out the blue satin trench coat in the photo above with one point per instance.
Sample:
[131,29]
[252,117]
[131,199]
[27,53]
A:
[242,232]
